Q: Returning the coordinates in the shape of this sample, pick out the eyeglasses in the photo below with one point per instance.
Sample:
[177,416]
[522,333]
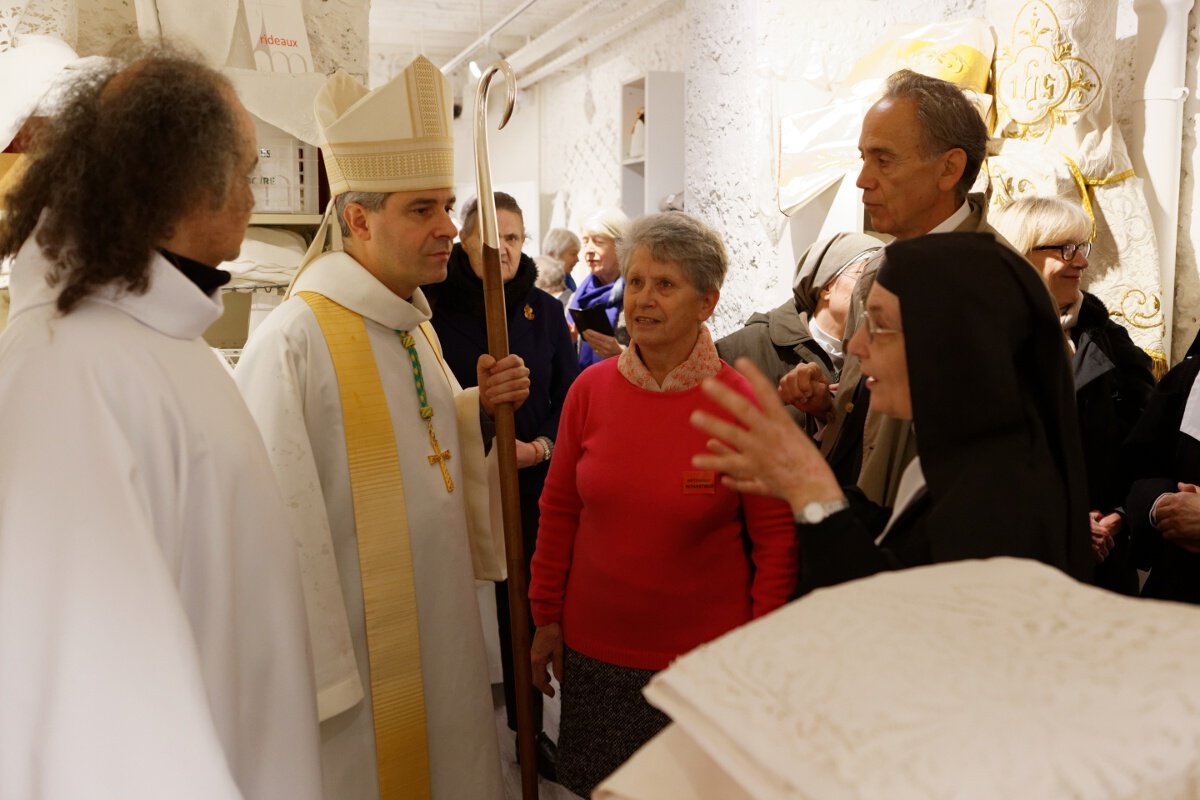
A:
[513,239]
[873,328]
[1069,250]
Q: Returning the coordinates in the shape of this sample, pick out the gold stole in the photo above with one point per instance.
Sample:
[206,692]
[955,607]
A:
[384,555]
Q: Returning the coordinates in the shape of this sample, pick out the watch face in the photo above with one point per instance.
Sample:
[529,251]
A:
[815,512]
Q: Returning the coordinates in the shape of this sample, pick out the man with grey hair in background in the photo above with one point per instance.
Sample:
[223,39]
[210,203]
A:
[152,630]
[922,145]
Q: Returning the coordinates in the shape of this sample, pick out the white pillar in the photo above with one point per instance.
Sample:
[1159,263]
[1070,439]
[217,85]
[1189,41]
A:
[1155,146]
[728,133]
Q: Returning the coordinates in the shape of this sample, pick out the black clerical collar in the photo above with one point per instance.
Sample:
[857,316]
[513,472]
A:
[207,279]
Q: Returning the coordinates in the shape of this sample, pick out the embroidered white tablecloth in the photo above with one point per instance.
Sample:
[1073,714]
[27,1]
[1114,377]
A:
[980,679]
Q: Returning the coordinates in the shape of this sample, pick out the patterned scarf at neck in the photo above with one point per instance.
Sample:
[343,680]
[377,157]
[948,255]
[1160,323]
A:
[703,362]
[1069,316]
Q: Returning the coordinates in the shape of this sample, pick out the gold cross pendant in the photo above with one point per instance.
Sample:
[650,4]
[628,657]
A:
[440,457]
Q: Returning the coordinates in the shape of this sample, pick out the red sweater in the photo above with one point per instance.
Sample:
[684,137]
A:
[639,555]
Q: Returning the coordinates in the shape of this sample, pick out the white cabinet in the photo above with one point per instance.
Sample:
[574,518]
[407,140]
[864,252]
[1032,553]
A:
[651,148]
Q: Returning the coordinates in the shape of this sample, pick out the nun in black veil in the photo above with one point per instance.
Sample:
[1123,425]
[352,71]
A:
[961,337]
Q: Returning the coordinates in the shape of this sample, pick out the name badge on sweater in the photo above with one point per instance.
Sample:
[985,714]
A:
[699,481]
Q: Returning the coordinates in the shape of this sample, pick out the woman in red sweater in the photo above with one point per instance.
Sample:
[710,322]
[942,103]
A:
[641,557]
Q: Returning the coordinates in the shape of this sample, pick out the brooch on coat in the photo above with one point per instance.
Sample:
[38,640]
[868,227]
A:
[528,311]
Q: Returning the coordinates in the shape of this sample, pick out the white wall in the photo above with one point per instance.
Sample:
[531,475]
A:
[581,111]
[513,151]
[1187,272]
[739,56]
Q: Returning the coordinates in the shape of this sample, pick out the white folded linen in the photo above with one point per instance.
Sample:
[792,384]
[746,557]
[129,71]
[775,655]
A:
[269,256]
[983,679]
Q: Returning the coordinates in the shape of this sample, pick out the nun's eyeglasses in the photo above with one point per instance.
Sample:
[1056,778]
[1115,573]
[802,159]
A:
[873,328]
[1069,250]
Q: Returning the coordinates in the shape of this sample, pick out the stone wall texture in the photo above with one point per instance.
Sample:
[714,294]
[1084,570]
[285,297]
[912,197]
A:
[738,57]
[581,111]
[736,54]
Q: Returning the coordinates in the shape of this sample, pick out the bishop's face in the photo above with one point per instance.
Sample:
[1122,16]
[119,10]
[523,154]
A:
[407,243]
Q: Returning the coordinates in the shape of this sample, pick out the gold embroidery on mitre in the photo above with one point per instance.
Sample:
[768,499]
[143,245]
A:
[429,101]
[1039,78]
[385,166]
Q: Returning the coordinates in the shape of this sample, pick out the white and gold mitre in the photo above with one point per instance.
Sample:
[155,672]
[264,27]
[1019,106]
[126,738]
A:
[394,139]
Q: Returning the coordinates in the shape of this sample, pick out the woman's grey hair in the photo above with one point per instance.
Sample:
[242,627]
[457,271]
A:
[611,222]
[1040,221]
[559,241]
[371,201]
[675,237]
[550,276]
[948,120]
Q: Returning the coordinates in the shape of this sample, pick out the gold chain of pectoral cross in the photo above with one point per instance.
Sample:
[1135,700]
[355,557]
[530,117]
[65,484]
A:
[439,456]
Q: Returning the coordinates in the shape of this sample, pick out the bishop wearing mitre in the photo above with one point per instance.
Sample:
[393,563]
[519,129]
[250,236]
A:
[381,456]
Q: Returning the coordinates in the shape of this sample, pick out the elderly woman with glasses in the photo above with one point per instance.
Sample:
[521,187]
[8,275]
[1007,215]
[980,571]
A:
[999,468]
[641,556]
[1113,377]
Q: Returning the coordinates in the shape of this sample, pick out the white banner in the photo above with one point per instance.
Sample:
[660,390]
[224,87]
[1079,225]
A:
[278,36]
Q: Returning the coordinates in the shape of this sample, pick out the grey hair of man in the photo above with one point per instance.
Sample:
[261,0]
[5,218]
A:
[559,241]
[469,218]
[674,237]
[948,120]
[1032,222]
[371,201]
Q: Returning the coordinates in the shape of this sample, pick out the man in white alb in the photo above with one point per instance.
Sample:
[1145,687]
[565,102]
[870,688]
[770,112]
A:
[152,624]
[381,457]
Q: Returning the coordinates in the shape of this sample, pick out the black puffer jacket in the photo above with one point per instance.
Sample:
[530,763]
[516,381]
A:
[1113,381]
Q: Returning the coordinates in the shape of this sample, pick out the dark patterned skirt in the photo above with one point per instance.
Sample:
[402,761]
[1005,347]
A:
[604,720]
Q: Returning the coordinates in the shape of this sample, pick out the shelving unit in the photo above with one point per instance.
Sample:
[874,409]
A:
[658,171]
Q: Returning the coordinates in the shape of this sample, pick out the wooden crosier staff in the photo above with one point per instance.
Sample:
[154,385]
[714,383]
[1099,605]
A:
[506,436]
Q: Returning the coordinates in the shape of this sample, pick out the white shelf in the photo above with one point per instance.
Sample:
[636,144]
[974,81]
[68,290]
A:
[658,171]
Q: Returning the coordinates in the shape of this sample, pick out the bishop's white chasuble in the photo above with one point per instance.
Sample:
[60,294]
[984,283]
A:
[289,380]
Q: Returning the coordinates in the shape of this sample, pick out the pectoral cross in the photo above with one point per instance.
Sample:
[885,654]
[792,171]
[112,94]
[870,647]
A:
[439,457]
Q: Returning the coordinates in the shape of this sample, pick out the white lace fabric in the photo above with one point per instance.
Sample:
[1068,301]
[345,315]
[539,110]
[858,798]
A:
[979,679]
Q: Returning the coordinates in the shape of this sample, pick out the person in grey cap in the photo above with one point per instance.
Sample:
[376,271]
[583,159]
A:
[801,341]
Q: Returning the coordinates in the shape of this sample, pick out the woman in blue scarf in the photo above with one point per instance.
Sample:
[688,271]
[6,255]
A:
[603,287]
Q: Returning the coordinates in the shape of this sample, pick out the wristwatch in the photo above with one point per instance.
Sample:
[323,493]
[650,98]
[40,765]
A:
[816,512]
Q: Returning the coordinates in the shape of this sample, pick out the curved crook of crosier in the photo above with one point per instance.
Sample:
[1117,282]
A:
[483,171]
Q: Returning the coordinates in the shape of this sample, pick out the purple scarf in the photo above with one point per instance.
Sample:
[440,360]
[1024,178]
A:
[609,296]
